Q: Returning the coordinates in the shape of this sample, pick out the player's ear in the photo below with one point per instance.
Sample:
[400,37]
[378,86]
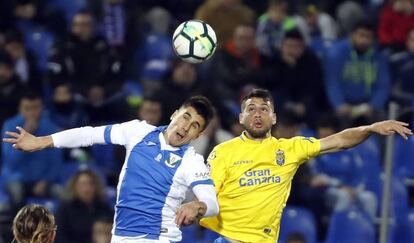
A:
[173,115]
[274,118]
[241,118]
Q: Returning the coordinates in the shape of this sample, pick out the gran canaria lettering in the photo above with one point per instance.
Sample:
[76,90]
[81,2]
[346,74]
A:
[257,177]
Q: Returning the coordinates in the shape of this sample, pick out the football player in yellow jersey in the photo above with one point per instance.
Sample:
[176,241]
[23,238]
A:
[253,172]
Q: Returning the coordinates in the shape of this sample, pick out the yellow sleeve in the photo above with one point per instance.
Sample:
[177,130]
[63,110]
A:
[216,163]
[306,148]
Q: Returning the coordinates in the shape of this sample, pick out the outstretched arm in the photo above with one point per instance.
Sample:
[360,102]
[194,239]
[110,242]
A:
[72,138]
[25,141]
[353,136]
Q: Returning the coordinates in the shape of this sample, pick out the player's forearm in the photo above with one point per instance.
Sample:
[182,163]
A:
[206,195]
[79,137]
[353,136]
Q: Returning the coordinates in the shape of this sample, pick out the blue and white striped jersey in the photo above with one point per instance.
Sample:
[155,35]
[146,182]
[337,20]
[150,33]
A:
[153,181]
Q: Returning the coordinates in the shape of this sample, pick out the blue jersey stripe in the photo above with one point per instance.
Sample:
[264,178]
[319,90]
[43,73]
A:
[107,134]
[202,182]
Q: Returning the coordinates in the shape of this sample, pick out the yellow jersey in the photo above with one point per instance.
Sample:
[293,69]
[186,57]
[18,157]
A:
[253,181]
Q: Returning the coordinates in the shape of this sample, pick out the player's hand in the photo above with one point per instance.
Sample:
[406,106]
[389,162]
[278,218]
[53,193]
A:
[390,127]
[23,140]
[190,212]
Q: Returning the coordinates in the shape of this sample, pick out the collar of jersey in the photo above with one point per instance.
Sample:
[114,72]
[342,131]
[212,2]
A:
[245,139]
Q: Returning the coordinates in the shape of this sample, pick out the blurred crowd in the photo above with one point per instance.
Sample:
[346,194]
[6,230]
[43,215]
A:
[329,65]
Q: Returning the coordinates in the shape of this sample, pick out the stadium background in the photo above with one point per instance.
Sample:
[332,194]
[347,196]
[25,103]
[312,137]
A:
[105,61]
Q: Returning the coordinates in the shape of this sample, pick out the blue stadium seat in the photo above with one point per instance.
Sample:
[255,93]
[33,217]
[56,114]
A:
[4,196]
[404,157]
[153,58]
[298,220]
[69,8]
[39,42]
[70,168]
[370,154]
[350,226]
[50,203]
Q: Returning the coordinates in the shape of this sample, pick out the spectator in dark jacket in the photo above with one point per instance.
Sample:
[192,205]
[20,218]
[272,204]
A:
[85,60]
[10,87]
[86,204]
[297,77]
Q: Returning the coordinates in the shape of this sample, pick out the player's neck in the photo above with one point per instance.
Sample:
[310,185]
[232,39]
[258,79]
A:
[258,139]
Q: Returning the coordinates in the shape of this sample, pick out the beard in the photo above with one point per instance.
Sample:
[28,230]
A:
[255,133]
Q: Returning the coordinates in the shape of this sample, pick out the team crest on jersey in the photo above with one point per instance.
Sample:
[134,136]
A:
[211,156]
[172,160]
[280,157]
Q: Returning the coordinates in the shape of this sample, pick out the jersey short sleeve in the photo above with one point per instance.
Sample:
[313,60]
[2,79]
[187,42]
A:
[306,148]
[195,171]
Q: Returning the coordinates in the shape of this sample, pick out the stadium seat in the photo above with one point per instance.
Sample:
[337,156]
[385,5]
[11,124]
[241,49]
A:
[404,157]
[298,220]
[69,8]
[50,203]
[350,226]
[39,42]
[153,59]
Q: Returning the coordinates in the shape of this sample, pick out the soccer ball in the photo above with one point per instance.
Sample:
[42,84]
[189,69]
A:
[194,41]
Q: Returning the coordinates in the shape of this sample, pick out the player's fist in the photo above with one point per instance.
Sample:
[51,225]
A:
[190,212]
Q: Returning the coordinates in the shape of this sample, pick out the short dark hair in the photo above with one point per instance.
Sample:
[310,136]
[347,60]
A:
[365,24]
[30,95]
[202,105]
[258,93]
[293,34]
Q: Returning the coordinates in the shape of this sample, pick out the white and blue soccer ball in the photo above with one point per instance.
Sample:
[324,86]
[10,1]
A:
[194,41]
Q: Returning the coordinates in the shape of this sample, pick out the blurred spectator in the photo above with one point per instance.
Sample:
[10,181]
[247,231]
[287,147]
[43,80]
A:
[396,20]
[402,67]
[65,111]
[24,61]
[357,76]
[272,26]
[85,204]
[179,84]
[114,22]
[10,87]
[34,224]
[153,58]
[348,14]
[289,123]
[31,174]
[342,173]
[101,230]
[211,136]
[85,60]
[235,66]
[224,16]
[151,110]
[295,238]
[296,77]
[317,24]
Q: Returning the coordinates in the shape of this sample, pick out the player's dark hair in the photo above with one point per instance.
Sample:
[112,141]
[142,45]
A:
[258,93]
[33,224]
[203,107]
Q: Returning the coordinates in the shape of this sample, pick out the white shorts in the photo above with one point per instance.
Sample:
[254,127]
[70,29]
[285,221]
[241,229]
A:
[139,239]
